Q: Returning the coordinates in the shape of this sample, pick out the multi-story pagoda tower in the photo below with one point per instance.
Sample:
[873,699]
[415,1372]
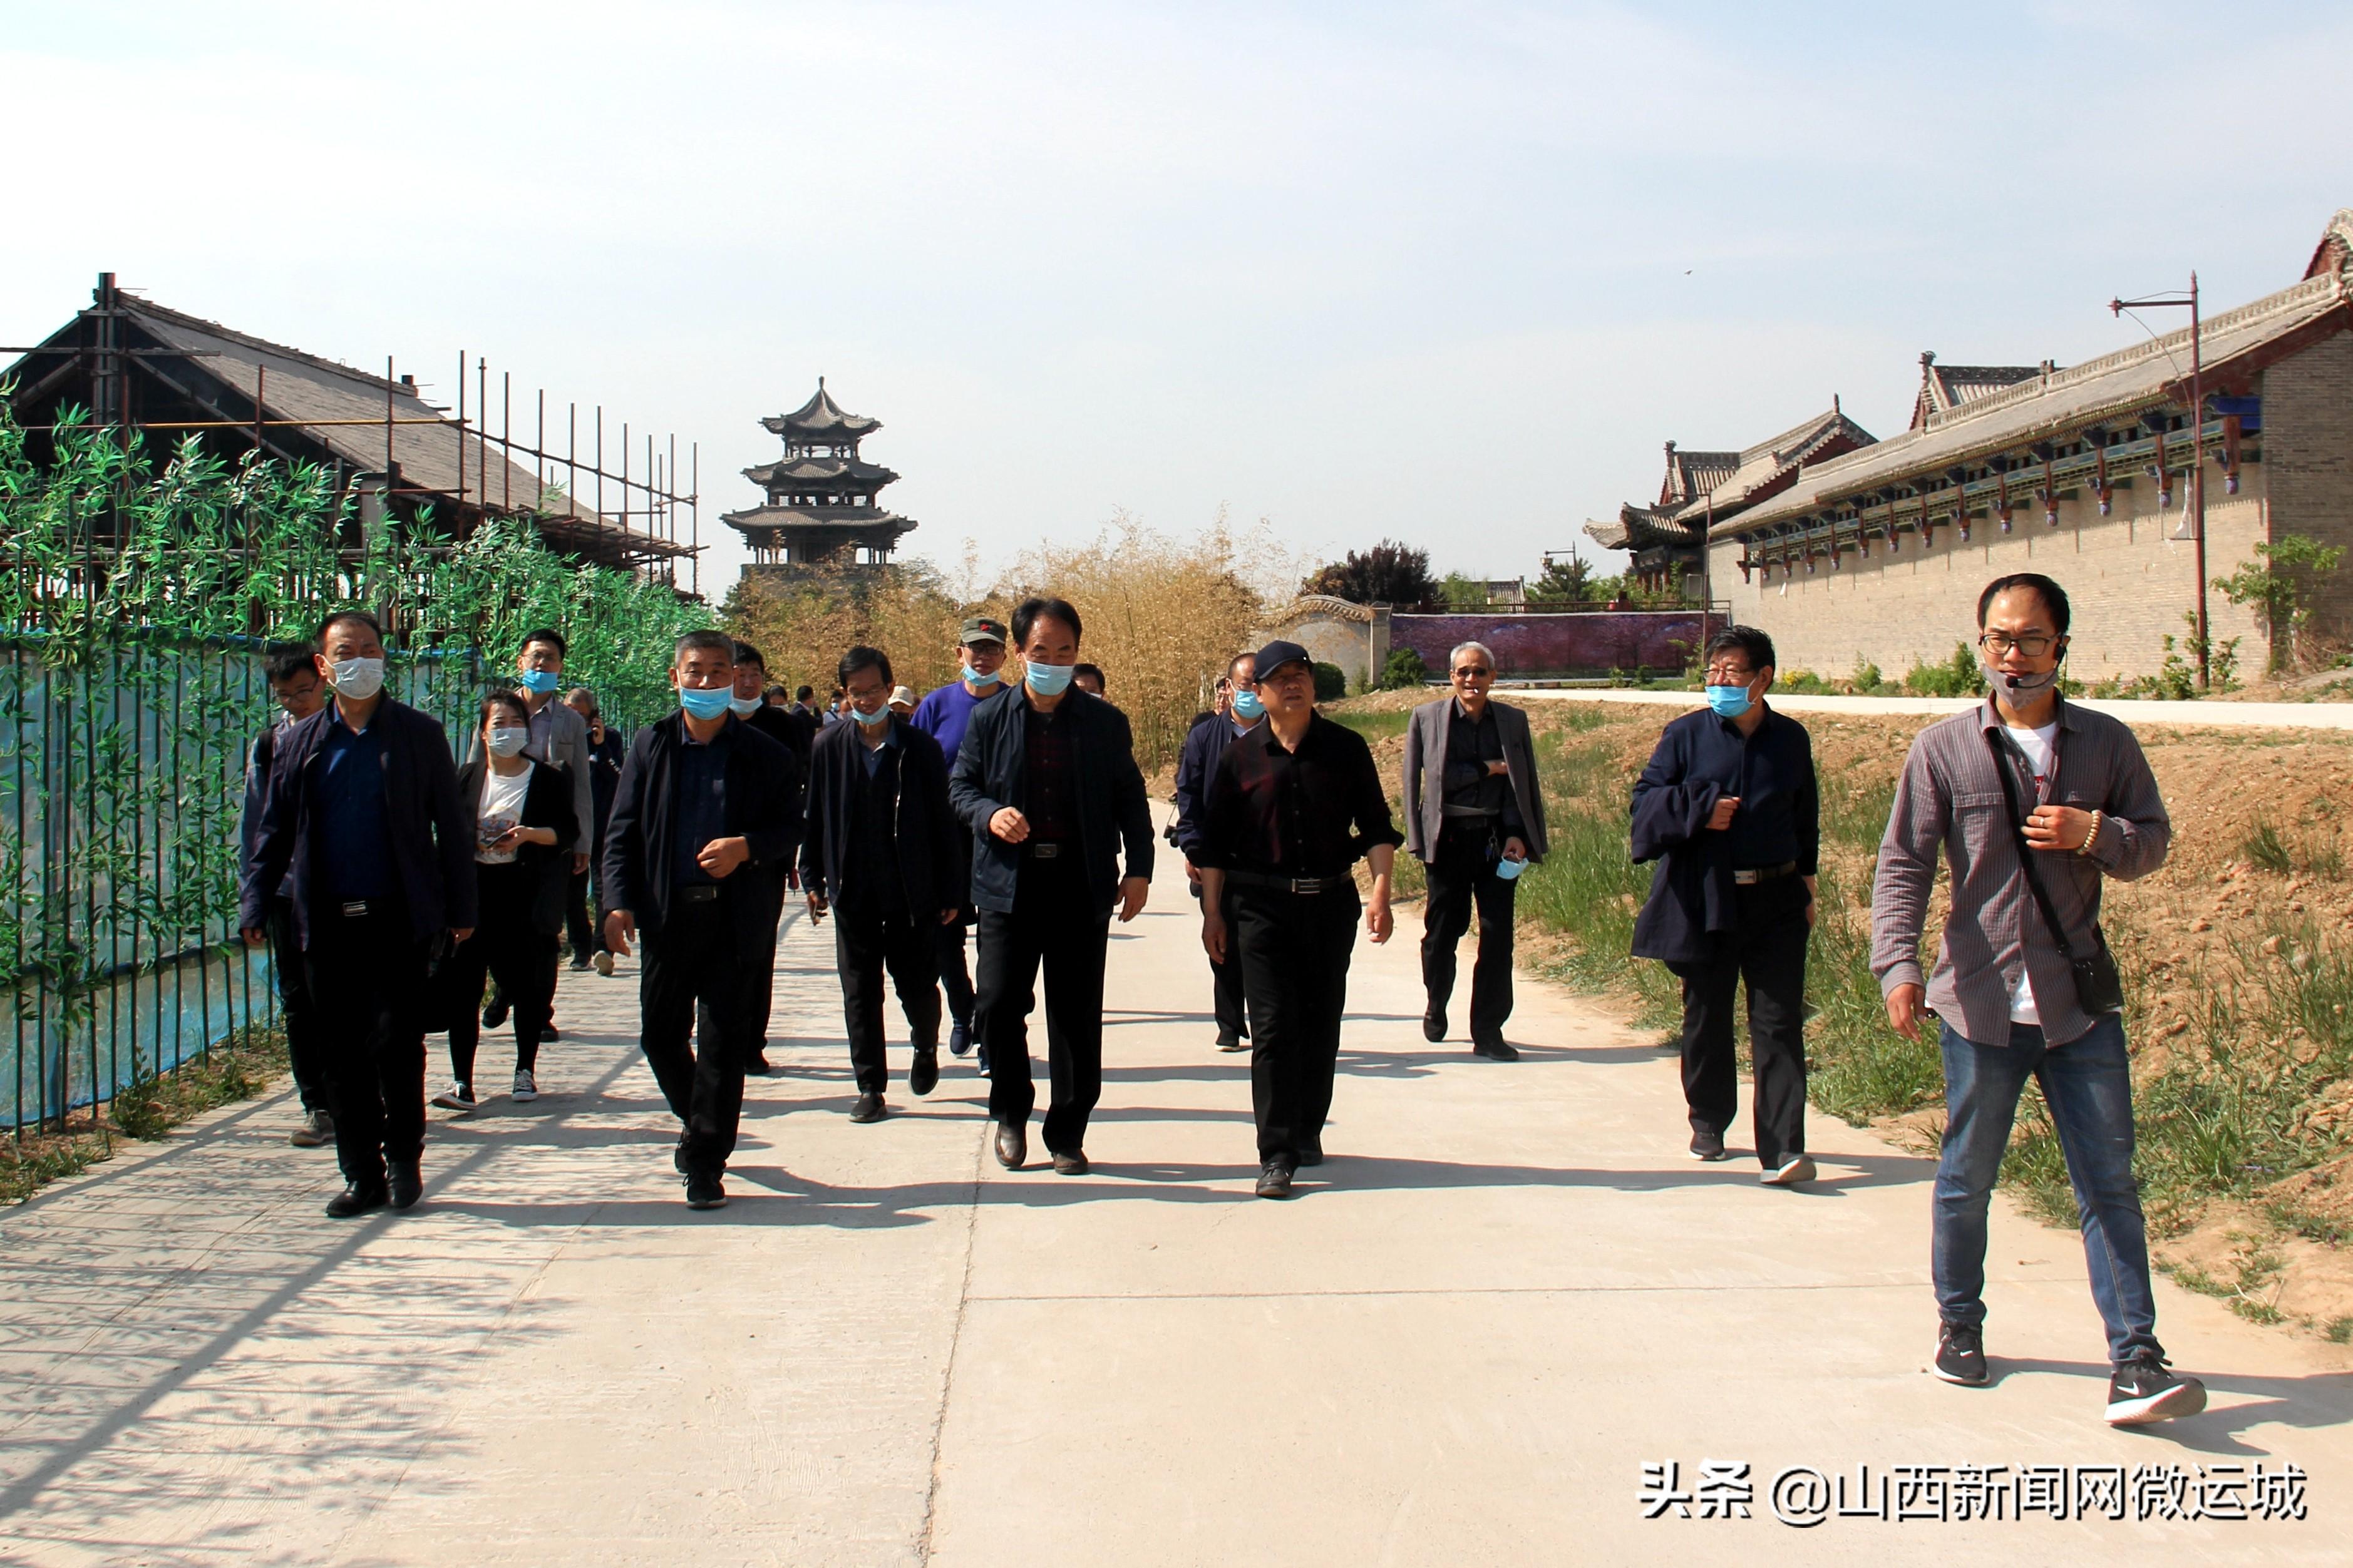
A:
[821,511]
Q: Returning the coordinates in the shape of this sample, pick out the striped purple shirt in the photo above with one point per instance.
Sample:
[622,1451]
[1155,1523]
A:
[1949,799]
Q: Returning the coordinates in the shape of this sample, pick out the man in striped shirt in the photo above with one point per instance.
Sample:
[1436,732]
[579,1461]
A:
[2004,991]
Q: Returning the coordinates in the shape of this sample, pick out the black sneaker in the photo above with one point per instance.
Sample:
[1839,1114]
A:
[1707,1144]
[759,1066]
[703,1191]
[923,1072]
[1232,1043]
[316,1130]
[1495,1049]
[1960,1355]
[356,1200]
[550,1034]
[495,1013]
[2142,1391]
[959,1040]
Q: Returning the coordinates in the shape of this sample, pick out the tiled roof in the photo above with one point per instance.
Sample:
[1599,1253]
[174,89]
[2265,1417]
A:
[1945,387]
[820,471]
[822,415]
[857,519]
[2113,386]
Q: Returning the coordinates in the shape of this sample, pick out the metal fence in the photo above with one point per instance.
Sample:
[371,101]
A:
[121,776]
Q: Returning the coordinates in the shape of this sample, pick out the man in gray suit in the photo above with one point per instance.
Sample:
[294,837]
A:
[559,735]
[1474,818]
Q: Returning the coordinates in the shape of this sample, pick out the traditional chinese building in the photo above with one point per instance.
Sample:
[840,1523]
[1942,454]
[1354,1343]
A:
[821,511]
[1666,538]
[2081,473]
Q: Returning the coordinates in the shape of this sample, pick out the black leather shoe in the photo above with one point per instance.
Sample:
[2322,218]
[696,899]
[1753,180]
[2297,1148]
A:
[549,1036]
[759,1066]
[1071,1163]
[1311,1155]
[677,1156]
[1012,1144]
[703,1191]
[924,1075]
[495,1013]
[1274,1179]
[868,1109]
[1495,1049]
[1433,1025]
[407,1185]
[354,1201]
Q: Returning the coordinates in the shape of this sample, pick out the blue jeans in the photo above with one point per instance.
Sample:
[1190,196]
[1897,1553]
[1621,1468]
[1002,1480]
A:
[2087,1083]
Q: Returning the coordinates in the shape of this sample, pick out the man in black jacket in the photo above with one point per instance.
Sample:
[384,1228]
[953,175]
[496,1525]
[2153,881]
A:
[700,820]
[882,852]
[363,829]
[606,748]
[1049,789]
[751,704]
[1239,711]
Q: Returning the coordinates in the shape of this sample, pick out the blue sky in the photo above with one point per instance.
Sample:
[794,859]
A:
[1445,273]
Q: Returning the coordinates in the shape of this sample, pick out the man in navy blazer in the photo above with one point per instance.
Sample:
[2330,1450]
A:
[363,828]
[1047,784]
[1728,805]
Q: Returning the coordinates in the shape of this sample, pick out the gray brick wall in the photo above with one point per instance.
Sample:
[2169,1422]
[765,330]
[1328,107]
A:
[2308,463]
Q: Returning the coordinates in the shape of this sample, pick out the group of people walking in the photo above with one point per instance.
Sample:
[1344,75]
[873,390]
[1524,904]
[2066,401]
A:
[392,883]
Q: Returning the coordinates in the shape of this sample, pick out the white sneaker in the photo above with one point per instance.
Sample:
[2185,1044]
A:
[525,1085]
[457,1097]
[604,963]
[1796,1169]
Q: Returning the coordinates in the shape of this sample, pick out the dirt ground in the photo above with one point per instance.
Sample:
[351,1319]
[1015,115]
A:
[2259,828]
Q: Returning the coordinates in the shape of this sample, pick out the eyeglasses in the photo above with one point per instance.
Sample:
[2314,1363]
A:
[1470,671]
[1999,643]
[1723,675]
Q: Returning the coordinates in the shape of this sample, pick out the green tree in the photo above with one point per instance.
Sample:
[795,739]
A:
[1568,582]
[1462,593]
[2278,585]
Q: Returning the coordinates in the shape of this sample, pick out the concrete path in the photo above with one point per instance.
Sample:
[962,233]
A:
[2132,710]
[1506,1293]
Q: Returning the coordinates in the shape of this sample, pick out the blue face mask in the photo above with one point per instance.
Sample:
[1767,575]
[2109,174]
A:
[541,682]
[874,721]
[1248,707]
[974,677]
[1729,701]
[1510,870]
[702,703]
[1047,679]
[743,707]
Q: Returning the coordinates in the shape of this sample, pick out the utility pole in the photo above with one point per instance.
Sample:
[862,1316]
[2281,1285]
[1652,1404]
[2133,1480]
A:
[2197,452]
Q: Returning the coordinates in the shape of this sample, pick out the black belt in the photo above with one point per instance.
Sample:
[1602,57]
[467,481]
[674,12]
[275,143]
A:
[1750,876]
[1289,884]
[697,892]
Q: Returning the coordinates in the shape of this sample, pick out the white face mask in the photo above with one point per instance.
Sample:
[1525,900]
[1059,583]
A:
[744,707]
[358,679]
[506,742]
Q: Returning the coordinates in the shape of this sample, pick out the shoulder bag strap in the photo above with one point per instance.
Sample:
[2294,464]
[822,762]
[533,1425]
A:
[2026,852]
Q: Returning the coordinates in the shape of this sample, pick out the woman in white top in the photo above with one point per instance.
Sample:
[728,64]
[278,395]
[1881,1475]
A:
[522,810]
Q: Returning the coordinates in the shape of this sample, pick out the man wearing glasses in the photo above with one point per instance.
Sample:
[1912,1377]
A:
[1474,818]
[1239,712]
[1728,807]
[2031,802]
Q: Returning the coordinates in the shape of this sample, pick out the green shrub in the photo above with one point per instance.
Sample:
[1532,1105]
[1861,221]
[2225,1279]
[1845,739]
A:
[1958,676]
[1331,681]
[1403,668]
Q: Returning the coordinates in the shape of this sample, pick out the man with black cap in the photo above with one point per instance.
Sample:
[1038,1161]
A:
[1239,712]
[1048,785]
[1292,806]
[943,715]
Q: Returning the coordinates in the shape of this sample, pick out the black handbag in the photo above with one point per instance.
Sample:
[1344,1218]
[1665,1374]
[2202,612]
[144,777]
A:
[2099,987]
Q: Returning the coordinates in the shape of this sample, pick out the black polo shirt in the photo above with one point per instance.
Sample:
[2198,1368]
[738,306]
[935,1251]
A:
[1310,812]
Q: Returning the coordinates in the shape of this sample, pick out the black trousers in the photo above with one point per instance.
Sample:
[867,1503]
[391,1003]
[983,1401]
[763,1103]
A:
[1768,950]
[585,935]
[955,980]
[506,945]
[695,999]
[1460,876]
[765,982]
[1054,925]
[1295,950]
[367,975]
[305,1050]
[1226,987]
[864,944]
